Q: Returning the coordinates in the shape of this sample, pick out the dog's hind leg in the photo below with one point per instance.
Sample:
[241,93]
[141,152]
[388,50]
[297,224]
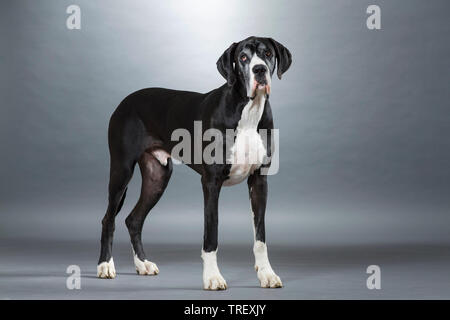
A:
[120,174]
[156,173]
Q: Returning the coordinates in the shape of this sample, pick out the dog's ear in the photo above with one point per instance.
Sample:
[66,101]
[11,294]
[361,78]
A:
[284,57]
[225,64]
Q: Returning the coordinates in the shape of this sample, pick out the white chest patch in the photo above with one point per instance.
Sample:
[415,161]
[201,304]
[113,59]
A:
[248,151]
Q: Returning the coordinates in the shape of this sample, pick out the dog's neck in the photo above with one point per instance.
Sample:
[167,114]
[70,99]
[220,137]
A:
[252,111]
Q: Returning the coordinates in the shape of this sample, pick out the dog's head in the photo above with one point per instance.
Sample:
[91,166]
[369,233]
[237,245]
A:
[252,62]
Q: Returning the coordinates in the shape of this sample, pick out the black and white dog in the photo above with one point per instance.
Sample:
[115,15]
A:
[140,131]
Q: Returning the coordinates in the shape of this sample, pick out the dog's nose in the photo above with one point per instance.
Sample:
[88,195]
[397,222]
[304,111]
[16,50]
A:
[259,69]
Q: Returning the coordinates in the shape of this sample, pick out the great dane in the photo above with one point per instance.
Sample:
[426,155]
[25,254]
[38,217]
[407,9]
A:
[141,131]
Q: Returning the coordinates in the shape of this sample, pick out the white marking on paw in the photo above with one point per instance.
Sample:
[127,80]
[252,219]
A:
[145,267]
[106,270]
[265,273]
[212,279]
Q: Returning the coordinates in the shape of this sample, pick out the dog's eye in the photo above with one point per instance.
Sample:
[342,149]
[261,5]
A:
[243,58]
[268,53]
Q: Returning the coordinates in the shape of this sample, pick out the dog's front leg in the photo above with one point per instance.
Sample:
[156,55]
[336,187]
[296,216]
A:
[212,279]
[257,186]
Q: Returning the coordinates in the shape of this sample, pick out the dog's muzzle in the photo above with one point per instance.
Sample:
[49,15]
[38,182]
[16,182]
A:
[260,81]
[259,71]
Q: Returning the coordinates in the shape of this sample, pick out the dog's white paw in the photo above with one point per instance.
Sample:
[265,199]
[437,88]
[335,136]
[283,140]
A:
[268,278]
[145,267]
[106,270]
[214,281]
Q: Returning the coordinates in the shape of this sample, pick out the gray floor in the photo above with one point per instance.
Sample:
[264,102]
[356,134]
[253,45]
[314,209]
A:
[36,270]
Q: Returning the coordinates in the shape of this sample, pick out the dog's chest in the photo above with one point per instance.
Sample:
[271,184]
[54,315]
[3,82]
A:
[248,151]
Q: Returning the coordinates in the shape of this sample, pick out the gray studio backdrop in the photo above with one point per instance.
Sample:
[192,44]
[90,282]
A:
[363,116]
